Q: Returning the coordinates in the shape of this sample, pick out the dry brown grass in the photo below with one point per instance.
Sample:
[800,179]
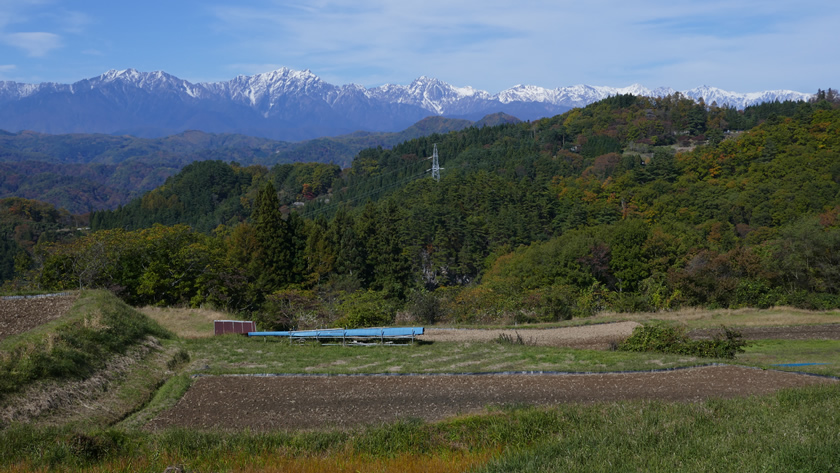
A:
[186,322]
[452,462]
[704,318]
[270,462]
[99,400]
[198,323]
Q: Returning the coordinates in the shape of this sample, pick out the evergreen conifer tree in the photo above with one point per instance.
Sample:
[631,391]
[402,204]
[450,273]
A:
[274,258]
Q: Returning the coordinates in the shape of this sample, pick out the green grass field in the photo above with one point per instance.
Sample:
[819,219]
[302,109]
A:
[790,431]
[824,354]
[236,354]
[795,430]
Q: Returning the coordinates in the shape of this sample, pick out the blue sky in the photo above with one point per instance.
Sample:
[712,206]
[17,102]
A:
[743,46]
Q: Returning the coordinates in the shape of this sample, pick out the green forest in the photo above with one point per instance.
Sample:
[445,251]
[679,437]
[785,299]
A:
[629,204]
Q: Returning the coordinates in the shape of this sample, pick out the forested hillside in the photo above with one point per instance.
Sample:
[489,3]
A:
[628,204]
[206,194]
[89,172]
[81,172]
[26,223]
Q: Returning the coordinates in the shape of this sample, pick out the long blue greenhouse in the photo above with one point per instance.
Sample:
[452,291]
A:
[355,335]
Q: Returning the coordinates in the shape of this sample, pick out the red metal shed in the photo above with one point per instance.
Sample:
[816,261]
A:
[234,326]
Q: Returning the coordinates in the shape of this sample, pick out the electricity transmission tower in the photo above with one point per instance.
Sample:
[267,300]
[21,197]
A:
[435,165]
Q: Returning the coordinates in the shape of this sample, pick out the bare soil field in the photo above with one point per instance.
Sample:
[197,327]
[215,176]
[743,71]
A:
[600,336]
[20,314]
[314,402]
[597,337]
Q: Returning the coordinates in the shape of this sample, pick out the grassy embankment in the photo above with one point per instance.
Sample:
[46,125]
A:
[101,353]
[793,430]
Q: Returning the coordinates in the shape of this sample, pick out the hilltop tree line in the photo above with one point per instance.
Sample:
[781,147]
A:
[628,204]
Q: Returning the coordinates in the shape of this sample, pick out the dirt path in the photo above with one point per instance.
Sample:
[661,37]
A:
[599,336]
[311,402]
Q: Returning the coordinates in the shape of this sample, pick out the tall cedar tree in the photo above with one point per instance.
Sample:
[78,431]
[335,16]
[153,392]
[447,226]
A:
[275,261]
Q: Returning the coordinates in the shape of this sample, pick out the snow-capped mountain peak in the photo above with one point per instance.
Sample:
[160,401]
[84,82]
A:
[264,89]
[428,93]
[141,79]
[636,89]
[272,103]
[132,78]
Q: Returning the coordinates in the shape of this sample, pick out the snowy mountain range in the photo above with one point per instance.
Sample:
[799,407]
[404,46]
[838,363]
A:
[292,105]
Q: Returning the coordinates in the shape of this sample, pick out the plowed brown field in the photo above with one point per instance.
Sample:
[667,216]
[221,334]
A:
[18,315]
[312,402]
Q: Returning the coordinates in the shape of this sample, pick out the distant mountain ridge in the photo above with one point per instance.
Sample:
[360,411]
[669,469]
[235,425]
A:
[292,105]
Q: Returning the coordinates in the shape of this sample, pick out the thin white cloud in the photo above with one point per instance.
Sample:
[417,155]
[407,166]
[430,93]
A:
[36,44]
[33,26]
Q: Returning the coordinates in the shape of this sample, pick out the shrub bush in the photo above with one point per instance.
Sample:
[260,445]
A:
[557,303]
[366,309]
[292,309]
[427,307]
[479,304]
[670,338]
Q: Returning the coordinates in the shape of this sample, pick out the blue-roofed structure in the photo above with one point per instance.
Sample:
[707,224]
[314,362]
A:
[382,335]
